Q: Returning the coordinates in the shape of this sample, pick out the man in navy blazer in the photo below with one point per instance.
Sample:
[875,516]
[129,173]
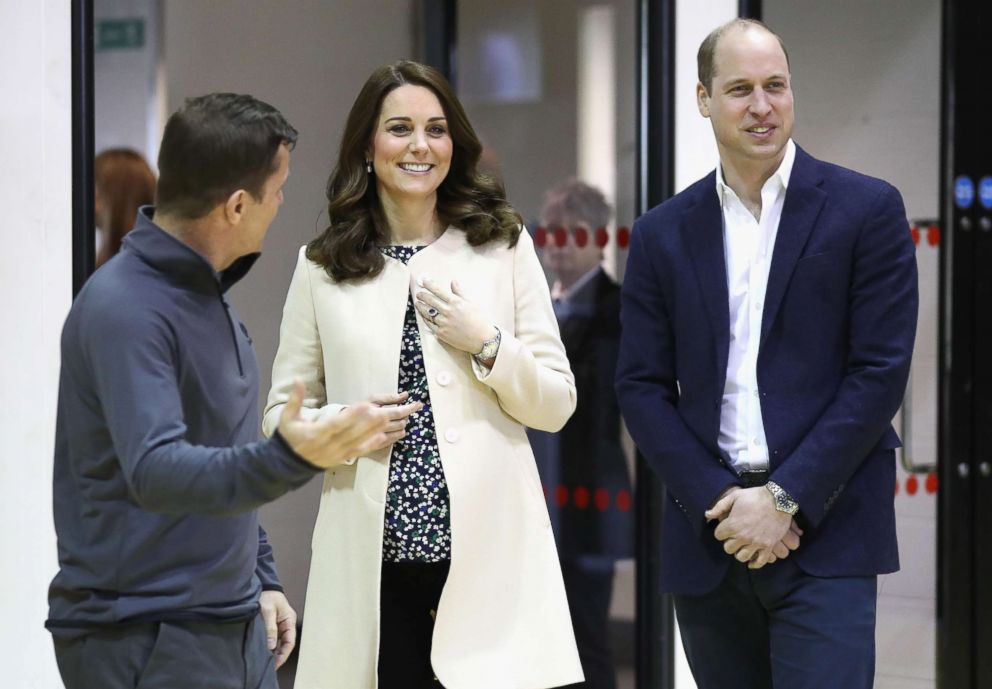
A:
[769,313]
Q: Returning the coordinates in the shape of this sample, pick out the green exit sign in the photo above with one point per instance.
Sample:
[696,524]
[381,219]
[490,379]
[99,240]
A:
[120,34]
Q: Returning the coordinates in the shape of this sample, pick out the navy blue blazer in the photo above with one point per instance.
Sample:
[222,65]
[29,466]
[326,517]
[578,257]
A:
[836,341]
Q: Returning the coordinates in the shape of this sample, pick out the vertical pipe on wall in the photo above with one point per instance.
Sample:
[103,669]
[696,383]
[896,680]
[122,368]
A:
[438,30]
[655,183]
[83,240]
[749,9]
[655,103]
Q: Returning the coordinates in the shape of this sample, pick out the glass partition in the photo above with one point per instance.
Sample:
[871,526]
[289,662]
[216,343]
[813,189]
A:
[550,86]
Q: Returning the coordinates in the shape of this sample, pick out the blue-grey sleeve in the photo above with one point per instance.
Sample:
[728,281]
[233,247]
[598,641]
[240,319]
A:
[132,356]
[266,567]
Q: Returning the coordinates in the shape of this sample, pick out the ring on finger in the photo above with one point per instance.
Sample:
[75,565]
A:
[432,313]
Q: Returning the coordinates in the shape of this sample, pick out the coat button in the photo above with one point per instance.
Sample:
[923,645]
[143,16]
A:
[443,378]
[451,435]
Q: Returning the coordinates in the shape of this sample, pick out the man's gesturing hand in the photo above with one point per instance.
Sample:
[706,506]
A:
[751,529]
[356,430]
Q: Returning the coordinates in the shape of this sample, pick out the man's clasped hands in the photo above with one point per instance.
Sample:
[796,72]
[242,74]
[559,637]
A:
[751,528]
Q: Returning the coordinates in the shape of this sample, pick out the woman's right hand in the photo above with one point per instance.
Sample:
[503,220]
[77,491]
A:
[356,430]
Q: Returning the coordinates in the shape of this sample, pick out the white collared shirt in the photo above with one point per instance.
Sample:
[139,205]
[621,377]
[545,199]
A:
[748,246]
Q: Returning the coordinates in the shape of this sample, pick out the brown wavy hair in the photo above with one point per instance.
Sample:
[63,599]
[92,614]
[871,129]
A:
[468,199]
[124,182]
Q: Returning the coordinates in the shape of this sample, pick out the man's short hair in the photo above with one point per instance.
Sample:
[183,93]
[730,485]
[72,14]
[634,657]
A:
[707,49]
[574,201]
[215,145]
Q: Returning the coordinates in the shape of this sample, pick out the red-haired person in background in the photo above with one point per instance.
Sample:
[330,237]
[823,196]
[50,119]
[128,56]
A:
[124,182]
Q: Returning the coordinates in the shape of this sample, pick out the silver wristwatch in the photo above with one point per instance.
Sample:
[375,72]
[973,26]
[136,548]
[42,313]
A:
[489,348]
[783,501]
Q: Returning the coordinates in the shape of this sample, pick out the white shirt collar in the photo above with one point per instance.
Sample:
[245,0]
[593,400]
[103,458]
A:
[780,176]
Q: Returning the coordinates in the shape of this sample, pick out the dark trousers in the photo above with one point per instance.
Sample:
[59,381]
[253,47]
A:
[169,655]
[409,594]
[589,587]
[778,627]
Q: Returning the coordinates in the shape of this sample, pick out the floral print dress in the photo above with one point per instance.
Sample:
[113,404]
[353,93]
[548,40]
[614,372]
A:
[417,523]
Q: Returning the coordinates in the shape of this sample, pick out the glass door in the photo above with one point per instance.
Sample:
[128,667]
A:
[550,86]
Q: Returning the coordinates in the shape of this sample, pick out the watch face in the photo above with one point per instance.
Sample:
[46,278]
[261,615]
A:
[490,347]
[488,350]
[783,502]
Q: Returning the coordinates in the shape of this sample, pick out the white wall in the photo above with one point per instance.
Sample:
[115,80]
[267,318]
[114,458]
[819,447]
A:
[309,59]
[35,279]
[695,148]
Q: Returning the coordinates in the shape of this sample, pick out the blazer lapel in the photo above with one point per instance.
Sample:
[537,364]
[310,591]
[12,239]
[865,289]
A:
[803,201]
[702,227]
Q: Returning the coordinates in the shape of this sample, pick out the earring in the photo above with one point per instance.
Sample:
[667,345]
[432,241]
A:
[368,166]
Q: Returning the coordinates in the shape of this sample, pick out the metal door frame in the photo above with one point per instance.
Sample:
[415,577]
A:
[964,594]
[83,145]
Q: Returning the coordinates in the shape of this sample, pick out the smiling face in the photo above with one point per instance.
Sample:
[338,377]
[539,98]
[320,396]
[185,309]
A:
[749,102]
[411,146]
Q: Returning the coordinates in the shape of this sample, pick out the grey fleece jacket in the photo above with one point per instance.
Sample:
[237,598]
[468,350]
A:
[158,464]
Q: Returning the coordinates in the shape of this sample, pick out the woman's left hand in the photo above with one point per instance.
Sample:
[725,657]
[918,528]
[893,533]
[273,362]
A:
[457,321]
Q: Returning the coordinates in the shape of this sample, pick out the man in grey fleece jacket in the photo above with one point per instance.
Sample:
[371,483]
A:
[166,579]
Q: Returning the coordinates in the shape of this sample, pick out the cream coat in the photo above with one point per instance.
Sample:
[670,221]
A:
[503,621]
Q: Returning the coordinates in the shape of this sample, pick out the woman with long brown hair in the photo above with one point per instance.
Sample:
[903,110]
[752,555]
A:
[123,182]
[435,556]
